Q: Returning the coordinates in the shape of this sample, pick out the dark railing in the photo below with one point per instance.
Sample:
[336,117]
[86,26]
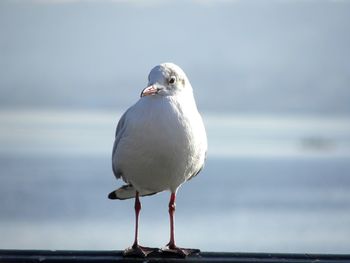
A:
[48,256]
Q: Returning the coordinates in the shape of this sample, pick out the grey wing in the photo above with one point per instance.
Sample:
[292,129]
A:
[199,170]
[119,133]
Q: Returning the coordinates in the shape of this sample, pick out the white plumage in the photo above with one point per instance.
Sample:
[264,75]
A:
[160,143]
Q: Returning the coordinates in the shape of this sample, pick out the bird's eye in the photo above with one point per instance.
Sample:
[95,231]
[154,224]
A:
[172,80]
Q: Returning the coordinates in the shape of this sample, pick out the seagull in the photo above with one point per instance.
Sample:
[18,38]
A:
[160,143]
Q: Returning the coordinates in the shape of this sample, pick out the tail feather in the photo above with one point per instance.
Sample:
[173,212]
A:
[127,192]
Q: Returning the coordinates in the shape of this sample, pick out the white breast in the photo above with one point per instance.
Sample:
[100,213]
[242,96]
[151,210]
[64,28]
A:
[164,143]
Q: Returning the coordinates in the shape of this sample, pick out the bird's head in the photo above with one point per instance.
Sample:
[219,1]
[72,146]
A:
[166,79]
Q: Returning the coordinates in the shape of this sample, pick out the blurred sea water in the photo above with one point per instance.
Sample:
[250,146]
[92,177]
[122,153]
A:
[271,184]
[277,174]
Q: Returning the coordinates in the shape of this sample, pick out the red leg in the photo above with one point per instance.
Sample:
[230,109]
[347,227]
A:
[137,213]
[136,250]
[171,248]
[172,205]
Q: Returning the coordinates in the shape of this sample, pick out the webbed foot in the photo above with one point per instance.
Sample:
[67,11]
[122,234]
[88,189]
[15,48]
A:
[179,252]
[139,251]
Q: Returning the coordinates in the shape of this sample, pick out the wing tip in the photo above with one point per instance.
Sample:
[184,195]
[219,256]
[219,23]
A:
[112,195]
[122,193]
[126,192]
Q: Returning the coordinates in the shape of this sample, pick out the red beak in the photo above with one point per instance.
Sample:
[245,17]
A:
[150,90]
